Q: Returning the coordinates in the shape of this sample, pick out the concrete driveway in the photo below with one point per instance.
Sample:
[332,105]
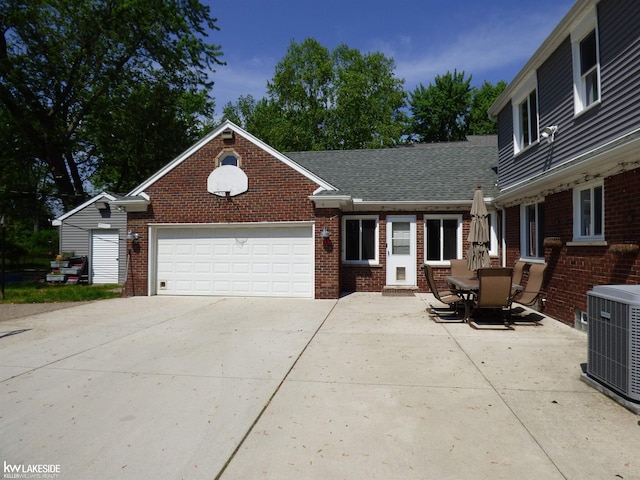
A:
[242,388]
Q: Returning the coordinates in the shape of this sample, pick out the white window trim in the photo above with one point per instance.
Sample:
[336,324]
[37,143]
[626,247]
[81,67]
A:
[577,212]
[459,253]
[227,152]
[376,259]
[493,230]
[524,232]
[520,96]
[584,27]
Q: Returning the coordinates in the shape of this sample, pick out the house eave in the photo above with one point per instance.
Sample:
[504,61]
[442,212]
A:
[102,196]
[552,42]
[413,205]
[349,204]
[138,203]
[601,162]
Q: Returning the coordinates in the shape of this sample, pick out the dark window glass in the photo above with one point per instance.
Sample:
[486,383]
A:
[368,239]
[588,56]
[450,247]
[524,113]
[433,240]
[540,224]
[533,107]
[597,211]
[352,240]
[229,160]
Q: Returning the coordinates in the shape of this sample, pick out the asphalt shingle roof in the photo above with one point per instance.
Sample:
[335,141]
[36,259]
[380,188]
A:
[424,172]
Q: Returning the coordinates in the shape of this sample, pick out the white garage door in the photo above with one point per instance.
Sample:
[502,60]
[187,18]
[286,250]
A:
[274,261]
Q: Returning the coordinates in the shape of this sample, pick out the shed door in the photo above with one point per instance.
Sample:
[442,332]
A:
[269,261]
[103,260]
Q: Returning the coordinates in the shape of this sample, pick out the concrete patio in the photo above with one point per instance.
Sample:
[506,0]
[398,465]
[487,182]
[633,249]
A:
[361,387]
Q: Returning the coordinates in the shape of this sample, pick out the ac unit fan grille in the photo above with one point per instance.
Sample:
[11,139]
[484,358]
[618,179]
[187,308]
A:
[608,342]
[634,343]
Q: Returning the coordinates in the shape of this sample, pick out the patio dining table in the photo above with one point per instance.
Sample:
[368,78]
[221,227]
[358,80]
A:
[467,287]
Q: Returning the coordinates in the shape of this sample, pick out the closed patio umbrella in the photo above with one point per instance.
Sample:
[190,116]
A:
[478,253]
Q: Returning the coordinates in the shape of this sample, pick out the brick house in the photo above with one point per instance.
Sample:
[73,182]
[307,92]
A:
[569,156]
[232,216]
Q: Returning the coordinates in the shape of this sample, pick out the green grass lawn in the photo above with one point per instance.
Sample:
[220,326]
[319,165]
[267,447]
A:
[45,293]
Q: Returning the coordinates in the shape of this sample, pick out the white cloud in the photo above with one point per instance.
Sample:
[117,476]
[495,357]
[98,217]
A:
[494,50]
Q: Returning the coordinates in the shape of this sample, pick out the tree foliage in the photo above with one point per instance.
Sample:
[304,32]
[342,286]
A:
[320,99]
[67,63]
[440,113]
[483,98]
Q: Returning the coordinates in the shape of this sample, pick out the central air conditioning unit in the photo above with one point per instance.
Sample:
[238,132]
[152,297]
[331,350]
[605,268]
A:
[613,357]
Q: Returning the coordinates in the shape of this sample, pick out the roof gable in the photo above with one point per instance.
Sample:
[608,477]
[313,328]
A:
[101,196]
[228,125]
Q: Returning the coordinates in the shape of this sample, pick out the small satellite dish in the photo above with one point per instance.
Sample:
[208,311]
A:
[227,179]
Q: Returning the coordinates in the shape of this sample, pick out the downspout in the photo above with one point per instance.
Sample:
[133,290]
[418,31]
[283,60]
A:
[503,246]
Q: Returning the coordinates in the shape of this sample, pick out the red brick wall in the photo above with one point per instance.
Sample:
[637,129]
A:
[277,193]
[573,270]
[357,278]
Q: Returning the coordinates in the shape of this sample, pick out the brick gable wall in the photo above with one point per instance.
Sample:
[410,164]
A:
[277,193]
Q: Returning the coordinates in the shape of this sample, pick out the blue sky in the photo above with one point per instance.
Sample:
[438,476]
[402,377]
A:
[488,39]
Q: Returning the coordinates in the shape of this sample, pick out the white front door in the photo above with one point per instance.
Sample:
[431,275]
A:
[401,250]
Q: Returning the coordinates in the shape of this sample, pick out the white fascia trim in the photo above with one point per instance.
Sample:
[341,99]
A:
[104,195]
[301,223]
[214,133]
[415,204]
[138,204]
[332,201]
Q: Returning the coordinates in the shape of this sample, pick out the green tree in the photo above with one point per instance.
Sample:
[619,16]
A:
[319,100]
[62,60]
[241,112]
[142,126]
[440,113]
[301,91]
[367,101]
[483,98]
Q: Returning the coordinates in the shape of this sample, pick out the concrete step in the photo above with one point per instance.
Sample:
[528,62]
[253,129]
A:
[399,291]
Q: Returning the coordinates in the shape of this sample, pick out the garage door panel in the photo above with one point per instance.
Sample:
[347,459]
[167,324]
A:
[243,261]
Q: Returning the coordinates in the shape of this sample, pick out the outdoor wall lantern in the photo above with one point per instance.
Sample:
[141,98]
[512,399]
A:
[325,234]
[134,237]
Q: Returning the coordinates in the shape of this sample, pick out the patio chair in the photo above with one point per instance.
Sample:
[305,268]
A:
[459,268]
[518,271]
[448,297]
[530,294]
[494,291]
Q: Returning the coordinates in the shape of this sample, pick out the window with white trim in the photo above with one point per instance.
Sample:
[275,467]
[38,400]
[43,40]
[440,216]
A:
[442,238]
[228,157]
[588,212]
[525,116]
[532,230]
[586,63]
[360,239]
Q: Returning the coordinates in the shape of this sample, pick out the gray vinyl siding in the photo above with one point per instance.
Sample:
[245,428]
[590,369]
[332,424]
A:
[617,114]
[75,233]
